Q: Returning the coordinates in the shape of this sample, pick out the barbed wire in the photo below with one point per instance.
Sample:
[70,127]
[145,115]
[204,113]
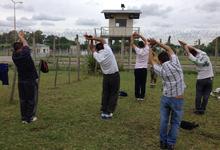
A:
[188,35]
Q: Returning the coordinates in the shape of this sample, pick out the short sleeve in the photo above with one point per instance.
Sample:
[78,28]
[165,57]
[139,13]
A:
[107,47]
[99,57]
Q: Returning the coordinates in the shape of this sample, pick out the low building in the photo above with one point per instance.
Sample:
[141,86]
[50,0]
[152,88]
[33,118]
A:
[42,49]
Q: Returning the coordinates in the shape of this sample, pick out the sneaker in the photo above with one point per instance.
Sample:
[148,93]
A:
[34,119]
[24,122]
[163,145]
[110,115]
[170,147]
[141,99]
[106,116]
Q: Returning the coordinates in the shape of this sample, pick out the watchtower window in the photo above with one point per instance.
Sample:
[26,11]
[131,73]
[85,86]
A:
[120,22]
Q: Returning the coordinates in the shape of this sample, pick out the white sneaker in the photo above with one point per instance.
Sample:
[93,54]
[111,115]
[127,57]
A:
[34,119]
[24,122]
[106,116]
[103,115]
[110,115]
[141,99]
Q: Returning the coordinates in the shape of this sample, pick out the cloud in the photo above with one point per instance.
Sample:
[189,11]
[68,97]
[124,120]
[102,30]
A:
[155,10]
[45,17]
[161,24]
[92,2]
[210,7]
[87,22]
[18,7]
[4,23]
[10,18]
[47,24]
[21,23]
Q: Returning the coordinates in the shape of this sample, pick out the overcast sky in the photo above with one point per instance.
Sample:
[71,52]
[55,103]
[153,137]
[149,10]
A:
[184,18]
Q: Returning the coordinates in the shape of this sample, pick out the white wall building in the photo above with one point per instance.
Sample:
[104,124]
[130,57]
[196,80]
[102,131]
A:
[42,49]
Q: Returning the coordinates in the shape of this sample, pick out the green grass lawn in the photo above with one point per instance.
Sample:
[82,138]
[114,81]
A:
[69,118]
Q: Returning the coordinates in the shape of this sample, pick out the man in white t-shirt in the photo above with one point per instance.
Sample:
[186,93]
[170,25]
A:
[140,71]
[204,77]
[111,79]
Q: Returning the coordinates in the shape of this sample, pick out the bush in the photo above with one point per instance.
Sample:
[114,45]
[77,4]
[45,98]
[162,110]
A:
[90,63]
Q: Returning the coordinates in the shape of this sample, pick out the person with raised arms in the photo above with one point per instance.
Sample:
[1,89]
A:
[171,106]
[204,77]
[141,65]
[111,79]
[27,79]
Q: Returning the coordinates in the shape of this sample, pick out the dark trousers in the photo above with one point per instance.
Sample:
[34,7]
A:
[203,90]
[28,99]
[153,76]
[140,82]
[111,85]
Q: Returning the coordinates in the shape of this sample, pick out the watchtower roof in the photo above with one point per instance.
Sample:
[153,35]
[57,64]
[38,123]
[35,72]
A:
[133,14]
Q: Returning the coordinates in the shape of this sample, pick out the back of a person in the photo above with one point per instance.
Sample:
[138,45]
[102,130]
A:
[109,64]
[172,76]
[25,65]
[142,57]
[205,69]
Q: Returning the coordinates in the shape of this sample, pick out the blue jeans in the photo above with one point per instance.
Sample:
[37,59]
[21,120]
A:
[171,109]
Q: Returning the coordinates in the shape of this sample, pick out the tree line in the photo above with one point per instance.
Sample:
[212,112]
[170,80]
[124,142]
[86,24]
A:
[62,43]
[6,39]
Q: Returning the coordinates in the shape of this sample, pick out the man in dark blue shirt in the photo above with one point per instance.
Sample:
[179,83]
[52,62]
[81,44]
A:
[27,79]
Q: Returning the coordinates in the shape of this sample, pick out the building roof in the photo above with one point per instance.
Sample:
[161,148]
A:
[133,14]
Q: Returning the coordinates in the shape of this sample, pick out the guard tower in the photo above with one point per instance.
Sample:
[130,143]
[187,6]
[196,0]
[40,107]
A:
[120,26]
[120,23]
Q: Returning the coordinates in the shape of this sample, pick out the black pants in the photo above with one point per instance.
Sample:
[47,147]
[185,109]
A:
[153,76]
[203,90]
[111,85]
[28,95]
[140,82]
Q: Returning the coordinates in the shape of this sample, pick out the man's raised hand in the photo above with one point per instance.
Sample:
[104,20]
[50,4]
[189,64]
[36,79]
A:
[88,37]
[21,34]
[182,43]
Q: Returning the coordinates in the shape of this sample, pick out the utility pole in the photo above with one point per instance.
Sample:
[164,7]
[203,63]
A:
[15,69]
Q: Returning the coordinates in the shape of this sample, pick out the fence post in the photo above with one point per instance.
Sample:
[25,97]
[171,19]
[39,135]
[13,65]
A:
[96,63]
[38,85]
[69,69]
[14,77]
[54,50]
[34,46]
[122,51]
[78,57]
[130,57]
[55,81]
[216,54]
[169,40]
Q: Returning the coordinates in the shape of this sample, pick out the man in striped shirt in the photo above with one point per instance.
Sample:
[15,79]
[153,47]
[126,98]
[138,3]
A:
[171,107]
[204,77]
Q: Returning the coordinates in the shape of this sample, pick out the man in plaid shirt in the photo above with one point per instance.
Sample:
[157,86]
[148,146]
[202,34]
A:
[171,107]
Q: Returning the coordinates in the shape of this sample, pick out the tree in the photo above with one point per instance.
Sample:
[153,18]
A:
[39,37]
